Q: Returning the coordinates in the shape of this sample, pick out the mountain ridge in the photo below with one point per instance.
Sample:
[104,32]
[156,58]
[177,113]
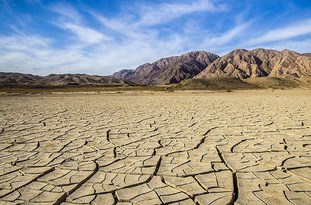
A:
[239,63]
[20,79]
[242,64]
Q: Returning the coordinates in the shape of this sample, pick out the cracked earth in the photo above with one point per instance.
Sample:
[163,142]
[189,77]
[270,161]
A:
[138,148]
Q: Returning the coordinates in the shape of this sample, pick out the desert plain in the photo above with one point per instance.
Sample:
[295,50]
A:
[124,148]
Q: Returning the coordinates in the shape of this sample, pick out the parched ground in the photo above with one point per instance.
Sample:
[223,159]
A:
[250,147]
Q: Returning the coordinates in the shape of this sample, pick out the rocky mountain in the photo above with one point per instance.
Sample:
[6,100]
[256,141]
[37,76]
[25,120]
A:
[244,64]
[169,70]
[19,79]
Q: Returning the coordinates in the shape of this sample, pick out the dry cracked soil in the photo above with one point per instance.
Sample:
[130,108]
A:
[247,147]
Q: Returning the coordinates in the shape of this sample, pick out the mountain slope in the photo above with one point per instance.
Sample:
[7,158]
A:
[80,79]
[19,79]
[243,64]
[169,70]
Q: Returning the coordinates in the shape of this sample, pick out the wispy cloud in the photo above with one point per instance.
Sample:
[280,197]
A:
[34,54]
[165,12]
[24,42]
[5,5]
[84,34]
[67,12]
[286,32]
[71,20]
[227,36]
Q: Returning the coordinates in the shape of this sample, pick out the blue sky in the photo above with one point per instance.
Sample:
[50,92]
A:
[104,36]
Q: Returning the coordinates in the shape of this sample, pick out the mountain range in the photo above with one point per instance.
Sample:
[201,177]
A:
[19,79]
[239,64]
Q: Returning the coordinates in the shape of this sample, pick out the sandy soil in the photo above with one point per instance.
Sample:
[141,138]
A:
[246,147]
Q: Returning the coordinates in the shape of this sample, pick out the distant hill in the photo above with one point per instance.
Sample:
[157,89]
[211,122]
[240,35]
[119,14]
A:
[169,70]
[244,64]
[19,79]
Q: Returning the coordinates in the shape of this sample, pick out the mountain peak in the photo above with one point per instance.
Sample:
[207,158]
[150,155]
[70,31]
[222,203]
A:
[169,70]
[242,63]
[239,50]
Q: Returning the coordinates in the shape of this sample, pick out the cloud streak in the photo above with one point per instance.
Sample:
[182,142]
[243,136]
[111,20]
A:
[84,34]
[227,36]
[166,12]
[67,12]
[69,19]
[289,31]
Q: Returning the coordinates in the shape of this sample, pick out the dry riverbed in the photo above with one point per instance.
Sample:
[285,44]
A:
[241,147]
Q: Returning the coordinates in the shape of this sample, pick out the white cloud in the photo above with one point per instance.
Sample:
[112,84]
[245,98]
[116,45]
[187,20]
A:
[290,31]
[23,42]
[34,54]
[71,20]
[85,34]
[223,38]
[165,12]
[67,12]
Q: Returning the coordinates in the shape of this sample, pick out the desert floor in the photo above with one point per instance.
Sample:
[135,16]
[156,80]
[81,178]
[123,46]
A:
[241,147]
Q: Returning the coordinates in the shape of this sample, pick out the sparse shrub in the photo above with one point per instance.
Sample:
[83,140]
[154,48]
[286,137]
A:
[169,89]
